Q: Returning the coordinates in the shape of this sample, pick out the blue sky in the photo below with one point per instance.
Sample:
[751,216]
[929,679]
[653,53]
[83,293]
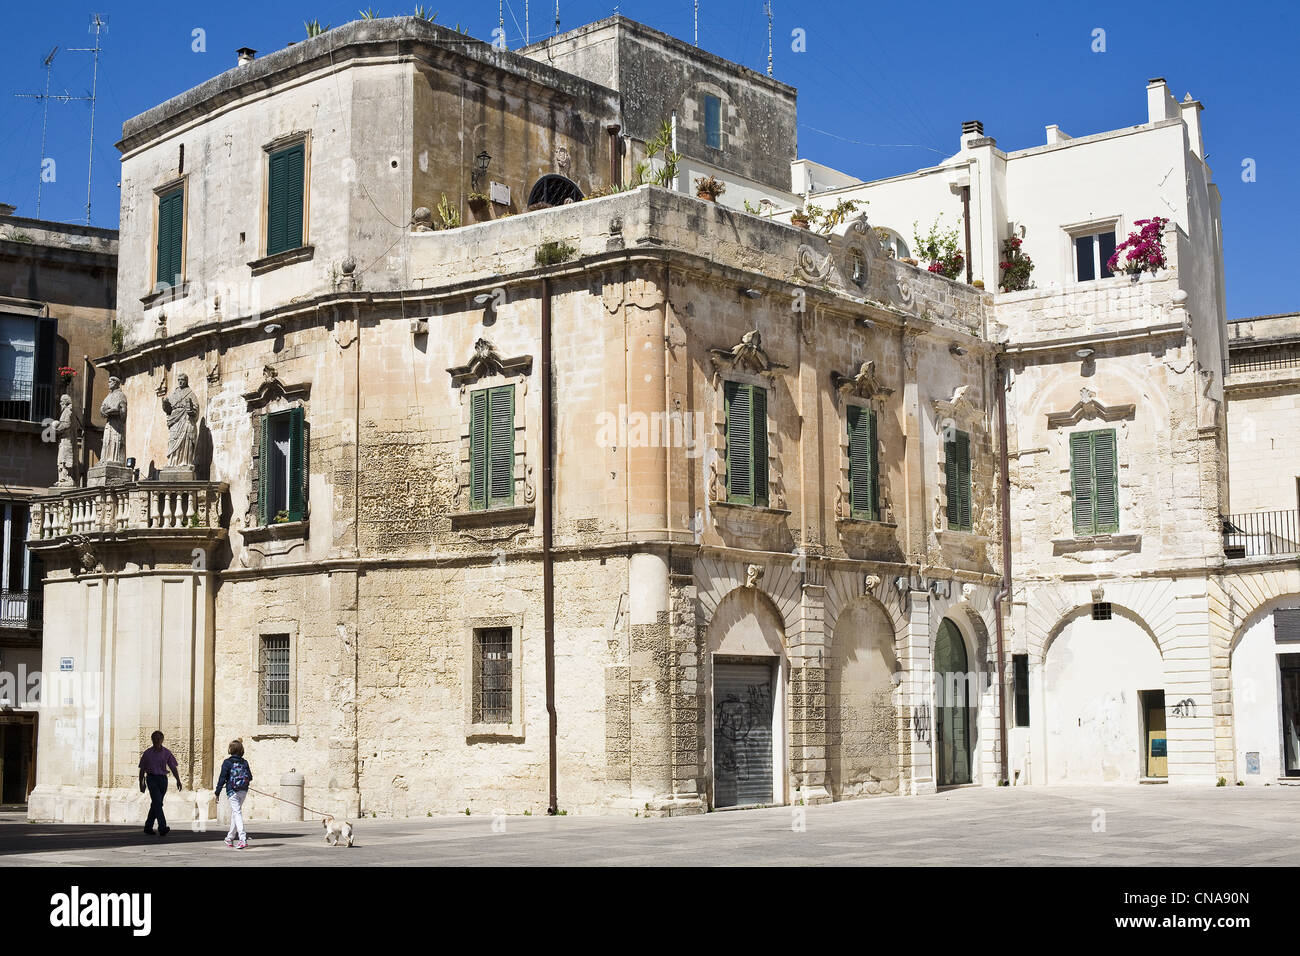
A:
[894,80]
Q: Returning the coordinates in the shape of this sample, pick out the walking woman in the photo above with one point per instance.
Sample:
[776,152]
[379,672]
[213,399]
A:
[236,775]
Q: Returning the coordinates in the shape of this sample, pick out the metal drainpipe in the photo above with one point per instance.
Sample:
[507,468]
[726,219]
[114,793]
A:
[965,215]
[1000,376]
[548,561]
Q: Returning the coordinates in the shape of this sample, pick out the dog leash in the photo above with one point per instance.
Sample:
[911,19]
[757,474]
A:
[292,804]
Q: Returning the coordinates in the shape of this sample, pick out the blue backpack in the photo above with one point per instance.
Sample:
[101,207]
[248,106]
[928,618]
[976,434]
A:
[240,776]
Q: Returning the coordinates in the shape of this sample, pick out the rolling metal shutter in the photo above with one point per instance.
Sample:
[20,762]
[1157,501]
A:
[1286,625]
[742,734]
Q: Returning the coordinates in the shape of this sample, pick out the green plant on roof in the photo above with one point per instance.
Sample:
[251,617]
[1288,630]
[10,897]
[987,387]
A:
[666,174]
[314,29]
[552,253]
[449,214]
[421,14]
[367,14]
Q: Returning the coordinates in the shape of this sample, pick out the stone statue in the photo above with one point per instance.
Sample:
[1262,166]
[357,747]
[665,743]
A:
[63,428]
[113,409]
[182,410]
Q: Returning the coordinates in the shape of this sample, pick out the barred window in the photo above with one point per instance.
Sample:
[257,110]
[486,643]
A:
[274,704]
[493,654]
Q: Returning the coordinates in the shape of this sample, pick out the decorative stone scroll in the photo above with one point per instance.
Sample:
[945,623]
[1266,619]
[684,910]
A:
[862,384]
[486,362]
[747,355]
[273,389]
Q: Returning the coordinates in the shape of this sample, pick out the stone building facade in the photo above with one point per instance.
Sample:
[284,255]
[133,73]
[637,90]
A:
[57,297]
[637,503]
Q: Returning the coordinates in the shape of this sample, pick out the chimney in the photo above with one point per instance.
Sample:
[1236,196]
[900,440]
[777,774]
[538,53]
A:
[971,129]
[1161,104]
[1191,111]
[245,55]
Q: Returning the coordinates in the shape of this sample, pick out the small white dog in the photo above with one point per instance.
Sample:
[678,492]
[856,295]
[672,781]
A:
[337,831]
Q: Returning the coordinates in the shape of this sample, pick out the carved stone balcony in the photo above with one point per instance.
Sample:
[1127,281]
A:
[173,514]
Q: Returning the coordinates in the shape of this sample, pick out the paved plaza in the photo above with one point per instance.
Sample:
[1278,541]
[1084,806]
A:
[1105,826]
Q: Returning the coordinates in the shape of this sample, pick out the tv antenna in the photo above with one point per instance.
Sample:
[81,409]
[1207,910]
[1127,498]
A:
[99,24]
[45,98]
[767,8]
[697,22]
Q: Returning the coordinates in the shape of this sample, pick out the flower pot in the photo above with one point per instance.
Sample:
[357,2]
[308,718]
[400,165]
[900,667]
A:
[799,222]
[707,196]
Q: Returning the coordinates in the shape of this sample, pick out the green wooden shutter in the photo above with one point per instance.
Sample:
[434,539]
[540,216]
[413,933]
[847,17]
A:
[263,470]
[501,460]
[297,463]
[862,462]
[1105,482]
[284,205]
[963,476]
[759,466]
[740,425]
[956,473]
[478,449]
[1081,483]
[171,231]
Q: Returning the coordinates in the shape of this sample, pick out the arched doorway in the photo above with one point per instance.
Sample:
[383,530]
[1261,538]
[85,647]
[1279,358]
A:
[747,676]
[955,699]
[1103,700]
[1265,669]
[861,719]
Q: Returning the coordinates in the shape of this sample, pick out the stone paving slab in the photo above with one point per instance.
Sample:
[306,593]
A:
[1144,826]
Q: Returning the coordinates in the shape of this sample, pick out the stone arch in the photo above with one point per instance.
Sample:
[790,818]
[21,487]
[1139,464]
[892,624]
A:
[958,695]
[862,702]
[1152,602]
[717,577]
[844,587]
[1087,683]
[745,731]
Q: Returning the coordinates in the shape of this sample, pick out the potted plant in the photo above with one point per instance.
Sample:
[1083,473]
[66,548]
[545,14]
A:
[1015,266]
[477,201]
[1143,250]
[281,517]
[939,248]
[709,188]
[799,218]
[67,375]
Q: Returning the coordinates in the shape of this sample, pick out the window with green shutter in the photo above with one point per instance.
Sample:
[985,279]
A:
[284,201]
[746,411]
[283,474]
[864,485]
[956,466]
[492,447]
[171,237]
[1094,482]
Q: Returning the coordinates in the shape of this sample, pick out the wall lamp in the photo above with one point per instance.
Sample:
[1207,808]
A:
[752,293]
[271,328]
[956,349]
[481,163]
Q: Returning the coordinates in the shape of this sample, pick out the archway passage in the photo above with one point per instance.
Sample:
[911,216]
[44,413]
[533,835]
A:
[861,719]
[953,707]
[746,644]
[1100,679]
[553,190]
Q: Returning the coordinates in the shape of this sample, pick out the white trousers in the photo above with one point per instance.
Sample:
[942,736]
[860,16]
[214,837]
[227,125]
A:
[237,799]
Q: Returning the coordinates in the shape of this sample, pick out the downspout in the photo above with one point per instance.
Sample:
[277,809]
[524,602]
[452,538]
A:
[965,215]
[1004,593]
[548,560]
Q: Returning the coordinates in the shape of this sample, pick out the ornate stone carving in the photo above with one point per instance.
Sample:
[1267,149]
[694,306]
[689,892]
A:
[272,388]
[85,560]
[746,355]
[871,582]
[1098,594]
[806,261]
[63,429]
[182,410]
[967,591]
[958,408]
[487,361]
[753,574]
[863,384]
[1089,407]
[113,408]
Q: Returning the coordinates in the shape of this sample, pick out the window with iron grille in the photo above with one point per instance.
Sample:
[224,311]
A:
[1101,611]
[274,703]
[493,653]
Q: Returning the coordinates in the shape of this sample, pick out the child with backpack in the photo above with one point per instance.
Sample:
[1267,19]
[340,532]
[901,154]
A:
[235,777]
